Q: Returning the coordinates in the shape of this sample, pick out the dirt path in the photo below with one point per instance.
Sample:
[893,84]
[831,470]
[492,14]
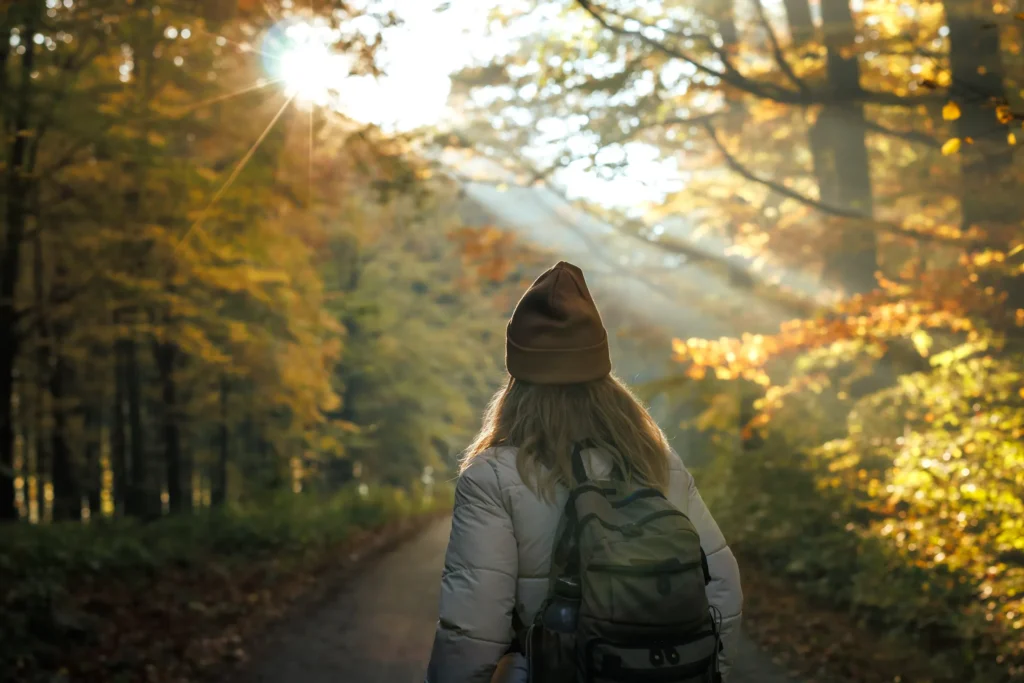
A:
[380,627]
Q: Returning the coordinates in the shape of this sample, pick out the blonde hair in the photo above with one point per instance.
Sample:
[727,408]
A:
[544,422]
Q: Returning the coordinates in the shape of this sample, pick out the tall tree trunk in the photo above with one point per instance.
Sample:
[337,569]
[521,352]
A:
[219,492]
[138,491]
[733,123]
[67,499]
[53,371]
[841,157]
[990,196]
[798,14]
[977,71]
[44,371]
[166,354]
[119,435]
[18,180]
[93,470]
[734,101]
[44,463]
[8,353]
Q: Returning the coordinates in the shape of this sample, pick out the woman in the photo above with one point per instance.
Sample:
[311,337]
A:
[512,485]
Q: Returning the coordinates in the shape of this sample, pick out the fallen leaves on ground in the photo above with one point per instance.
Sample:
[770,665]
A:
[821,645]
[194,624]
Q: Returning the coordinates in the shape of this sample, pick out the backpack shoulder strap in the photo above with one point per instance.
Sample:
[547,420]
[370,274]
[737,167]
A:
[704,566]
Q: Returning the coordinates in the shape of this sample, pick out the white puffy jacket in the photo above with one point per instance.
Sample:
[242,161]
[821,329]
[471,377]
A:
[499,554]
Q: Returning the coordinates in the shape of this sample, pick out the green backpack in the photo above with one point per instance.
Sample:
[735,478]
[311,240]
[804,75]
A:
[626,599]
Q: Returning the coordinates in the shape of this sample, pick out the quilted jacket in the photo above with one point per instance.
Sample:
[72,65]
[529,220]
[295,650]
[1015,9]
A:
[499,553]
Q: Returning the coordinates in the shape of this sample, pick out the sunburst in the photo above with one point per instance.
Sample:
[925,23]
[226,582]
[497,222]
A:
[298,55]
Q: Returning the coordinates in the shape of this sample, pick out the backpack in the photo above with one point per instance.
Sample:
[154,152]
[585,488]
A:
[626,597]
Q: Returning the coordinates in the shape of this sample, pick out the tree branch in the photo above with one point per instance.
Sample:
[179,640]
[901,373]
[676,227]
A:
[780,58]
[763,90]
[730,75]
[885,226]
[909,135]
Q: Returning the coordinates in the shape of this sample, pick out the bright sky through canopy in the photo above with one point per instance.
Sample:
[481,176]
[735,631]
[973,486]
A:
[417,58]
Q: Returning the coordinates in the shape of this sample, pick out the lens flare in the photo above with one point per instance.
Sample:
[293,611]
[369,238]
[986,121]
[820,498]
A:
[300,55]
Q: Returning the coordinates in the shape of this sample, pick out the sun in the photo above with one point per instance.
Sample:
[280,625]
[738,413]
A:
[304,72]
[299,55]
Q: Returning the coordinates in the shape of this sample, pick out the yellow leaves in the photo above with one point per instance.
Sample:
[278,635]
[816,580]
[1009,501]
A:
[951,112]
[1011,138]
[237,332]
[987,257]
[951,146]
[1004,114]
[922,342]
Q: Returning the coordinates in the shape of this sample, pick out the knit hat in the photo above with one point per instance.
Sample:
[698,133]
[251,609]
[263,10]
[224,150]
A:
[555,335]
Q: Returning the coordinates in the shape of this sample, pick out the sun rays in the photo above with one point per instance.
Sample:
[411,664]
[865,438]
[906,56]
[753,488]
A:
[298,56]
[197,224]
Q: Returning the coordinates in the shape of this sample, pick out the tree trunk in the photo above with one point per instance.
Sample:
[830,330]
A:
[18,181]
[119,436]
[44,371]
[8,353]
[841,158]
[734,101]
[67,499]
[44,463]
[977,71]
[219,494]
[166,354]
[93,414]
[137,494]
[798,14]
[53,371]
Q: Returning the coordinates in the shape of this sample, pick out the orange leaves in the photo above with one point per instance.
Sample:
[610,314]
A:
[875,318]
[921,317]
[493,254]
[730,358]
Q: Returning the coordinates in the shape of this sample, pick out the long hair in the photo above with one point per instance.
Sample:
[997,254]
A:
[544,421]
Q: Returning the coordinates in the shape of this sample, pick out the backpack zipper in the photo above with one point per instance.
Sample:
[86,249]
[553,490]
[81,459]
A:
[637,495]
[650,570]
[619,527]
[606,492]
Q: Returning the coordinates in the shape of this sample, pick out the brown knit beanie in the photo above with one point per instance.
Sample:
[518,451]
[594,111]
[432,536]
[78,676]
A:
[555,335]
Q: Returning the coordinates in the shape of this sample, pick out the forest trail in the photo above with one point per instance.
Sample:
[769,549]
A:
[379,628]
